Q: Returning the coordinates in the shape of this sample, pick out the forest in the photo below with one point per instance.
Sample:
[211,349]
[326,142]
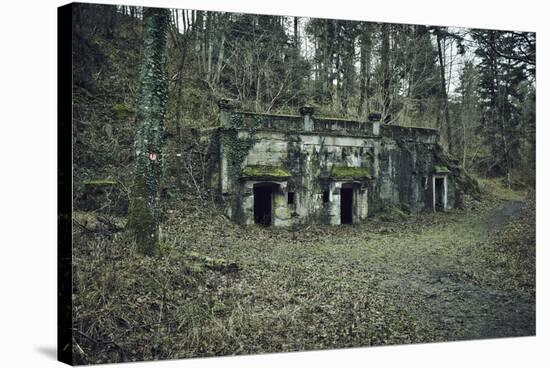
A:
[149,80]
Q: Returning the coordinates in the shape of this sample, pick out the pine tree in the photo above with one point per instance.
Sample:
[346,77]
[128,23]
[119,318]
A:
[468,107]
[501,98]
[365,68]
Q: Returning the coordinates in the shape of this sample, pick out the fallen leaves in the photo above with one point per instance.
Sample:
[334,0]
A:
[431,277]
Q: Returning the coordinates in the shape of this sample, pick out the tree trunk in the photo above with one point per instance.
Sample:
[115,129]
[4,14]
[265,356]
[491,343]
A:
[110,21]
[204,47]
[385,62]
[325,71]
[362,77]
[179,100]
[296,43]
[220,59]
[143,213]
[210,26]
[184,29]
[463,108]
[365,71]
[444,99]
[258,85]
[197,30]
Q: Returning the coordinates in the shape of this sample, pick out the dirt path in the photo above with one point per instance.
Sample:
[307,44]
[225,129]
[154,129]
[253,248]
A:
[421,280]
[443,295]
[500,216]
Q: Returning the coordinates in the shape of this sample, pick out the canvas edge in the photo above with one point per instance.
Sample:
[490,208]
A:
[64,184]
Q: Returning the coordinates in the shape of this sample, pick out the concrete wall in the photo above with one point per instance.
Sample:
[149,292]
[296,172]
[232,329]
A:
[400,163]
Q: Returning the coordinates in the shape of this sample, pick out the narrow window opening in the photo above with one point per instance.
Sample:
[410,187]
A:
[326,196]
[290,198]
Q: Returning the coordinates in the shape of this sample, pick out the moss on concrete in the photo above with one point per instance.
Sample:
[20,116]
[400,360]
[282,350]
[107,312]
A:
[265,171]
[441,169]
[235,150]
[344,172]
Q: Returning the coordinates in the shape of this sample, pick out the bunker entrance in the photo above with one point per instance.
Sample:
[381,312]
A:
[346,205]
[263,204]
[439,192]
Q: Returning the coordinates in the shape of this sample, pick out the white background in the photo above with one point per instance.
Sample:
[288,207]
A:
[28,181]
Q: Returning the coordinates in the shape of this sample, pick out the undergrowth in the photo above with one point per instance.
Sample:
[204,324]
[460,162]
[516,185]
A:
[328,287]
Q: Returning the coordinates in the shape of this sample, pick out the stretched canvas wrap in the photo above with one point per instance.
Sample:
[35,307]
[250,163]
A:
[242,183]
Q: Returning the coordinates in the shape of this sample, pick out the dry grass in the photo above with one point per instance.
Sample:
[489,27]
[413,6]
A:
[373,284]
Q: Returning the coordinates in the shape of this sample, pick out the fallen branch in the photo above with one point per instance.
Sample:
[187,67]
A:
[103,342]
[216,264]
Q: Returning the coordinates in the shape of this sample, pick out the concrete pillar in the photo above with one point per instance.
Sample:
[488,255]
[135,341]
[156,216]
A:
[376,128]
[363,203]
[374,118]
[335,200]
[307,113]
[226,108]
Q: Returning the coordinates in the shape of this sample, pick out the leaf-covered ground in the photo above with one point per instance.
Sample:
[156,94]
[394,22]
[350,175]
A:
[432,277]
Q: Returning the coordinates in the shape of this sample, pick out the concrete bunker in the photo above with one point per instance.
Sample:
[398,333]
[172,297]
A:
[282,170]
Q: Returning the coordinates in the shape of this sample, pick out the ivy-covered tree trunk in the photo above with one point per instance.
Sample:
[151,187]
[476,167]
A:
[386,73]
[143,214]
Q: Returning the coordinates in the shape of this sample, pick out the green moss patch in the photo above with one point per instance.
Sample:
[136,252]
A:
[392,213]
[236,149]
[265,171]
[344,172]
[122,111]
[441,169]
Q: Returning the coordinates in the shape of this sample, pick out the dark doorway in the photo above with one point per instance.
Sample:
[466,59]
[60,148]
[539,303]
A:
[346,205]
[439,194]
[263,203]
